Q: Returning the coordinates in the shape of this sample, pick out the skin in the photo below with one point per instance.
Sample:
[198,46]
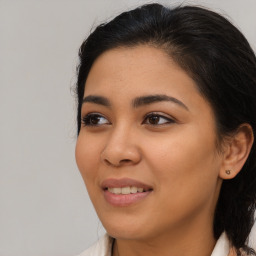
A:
[176,155]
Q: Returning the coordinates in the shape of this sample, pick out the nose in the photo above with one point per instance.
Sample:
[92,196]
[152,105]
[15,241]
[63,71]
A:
[121,149]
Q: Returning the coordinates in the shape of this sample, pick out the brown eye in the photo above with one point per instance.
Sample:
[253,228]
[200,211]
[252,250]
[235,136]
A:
[156,119]
[94,120]
[153,119]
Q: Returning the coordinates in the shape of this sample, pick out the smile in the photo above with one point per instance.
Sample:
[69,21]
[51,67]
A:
[125,192]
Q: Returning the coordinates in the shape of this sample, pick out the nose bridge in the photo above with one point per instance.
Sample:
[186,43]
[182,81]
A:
[121,147]
[120,134]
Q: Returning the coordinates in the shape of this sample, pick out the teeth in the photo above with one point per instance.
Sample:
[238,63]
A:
[134,190]
[125,190]
[117,190]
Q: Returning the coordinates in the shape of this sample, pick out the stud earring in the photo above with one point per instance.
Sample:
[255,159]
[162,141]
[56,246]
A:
[228,172]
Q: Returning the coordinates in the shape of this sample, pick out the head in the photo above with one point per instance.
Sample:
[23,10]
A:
[213,68]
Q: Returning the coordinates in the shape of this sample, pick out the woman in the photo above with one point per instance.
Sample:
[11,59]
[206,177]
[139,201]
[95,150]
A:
[166,125]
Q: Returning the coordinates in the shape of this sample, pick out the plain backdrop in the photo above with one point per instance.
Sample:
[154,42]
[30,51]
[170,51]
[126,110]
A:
[44,206]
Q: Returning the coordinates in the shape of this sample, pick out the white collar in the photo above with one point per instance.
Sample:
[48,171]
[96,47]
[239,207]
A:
[104,246]
[222,246]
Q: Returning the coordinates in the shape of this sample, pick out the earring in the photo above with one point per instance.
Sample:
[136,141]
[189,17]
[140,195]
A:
[228,172]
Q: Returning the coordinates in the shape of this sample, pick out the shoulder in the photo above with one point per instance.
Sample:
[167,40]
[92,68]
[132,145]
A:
[101,248]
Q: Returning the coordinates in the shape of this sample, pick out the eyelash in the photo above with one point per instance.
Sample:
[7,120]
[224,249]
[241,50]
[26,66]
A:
[87,120]
[168,120]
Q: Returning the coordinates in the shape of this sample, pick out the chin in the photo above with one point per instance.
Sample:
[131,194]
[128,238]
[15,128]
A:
[124,229]
[125,234]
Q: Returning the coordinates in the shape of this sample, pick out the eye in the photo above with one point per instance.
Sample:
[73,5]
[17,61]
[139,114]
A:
[157,119]
[94,119]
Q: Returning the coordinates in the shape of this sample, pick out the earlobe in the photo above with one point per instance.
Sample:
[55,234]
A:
[237,150]
[228,174]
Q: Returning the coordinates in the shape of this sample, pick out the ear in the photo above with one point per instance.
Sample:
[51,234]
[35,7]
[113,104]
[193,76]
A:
[236,151]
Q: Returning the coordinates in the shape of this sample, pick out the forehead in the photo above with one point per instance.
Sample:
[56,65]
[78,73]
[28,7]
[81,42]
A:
[140,70]
[139,67]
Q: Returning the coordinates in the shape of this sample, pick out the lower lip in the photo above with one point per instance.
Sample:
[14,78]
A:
[124,200]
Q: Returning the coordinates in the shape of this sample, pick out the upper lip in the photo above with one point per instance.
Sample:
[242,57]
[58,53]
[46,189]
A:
[124,182]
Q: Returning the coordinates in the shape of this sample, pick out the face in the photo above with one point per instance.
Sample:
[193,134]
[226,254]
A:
[147,145]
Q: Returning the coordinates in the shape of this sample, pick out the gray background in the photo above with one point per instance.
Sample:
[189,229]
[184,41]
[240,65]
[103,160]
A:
[44,207]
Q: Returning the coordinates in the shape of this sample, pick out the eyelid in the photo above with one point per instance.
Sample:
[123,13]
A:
[86,122]
[95,114]
[169,119]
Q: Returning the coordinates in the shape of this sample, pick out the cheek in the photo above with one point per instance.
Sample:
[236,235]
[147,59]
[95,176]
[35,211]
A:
[185,162]
[87,157]
[186,177]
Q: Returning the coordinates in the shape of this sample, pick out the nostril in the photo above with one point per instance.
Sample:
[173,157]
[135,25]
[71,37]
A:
[120,163]
[125,161]
[118,155]
[107,162]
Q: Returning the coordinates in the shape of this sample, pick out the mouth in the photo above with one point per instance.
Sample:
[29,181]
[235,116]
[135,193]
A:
[125,192]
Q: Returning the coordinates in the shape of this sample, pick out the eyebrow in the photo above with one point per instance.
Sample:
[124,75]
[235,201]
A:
[97,100]
[146,100]
[137,102]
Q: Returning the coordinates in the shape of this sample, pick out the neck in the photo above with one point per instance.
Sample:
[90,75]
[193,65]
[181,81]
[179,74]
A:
[191,241]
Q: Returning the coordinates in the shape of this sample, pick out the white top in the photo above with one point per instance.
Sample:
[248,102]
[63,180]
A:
[104,245]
